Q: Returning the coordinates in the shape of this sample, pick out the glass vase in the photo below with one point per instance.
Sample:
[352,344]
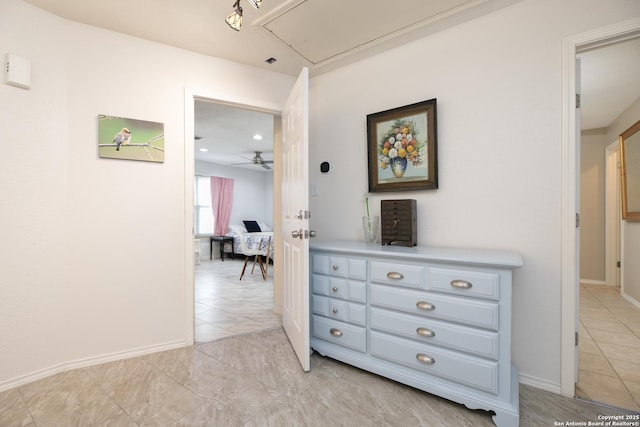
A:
[370,225]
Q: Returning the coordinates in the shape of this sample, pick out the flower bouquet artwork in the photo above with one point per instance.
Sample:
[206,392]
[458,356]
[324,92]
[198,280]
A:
[402,146]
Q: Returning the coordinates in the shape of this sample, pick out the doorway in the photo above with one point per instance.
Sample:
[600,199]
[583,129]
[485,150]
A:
[606,320]
[570,188]
[234,143]
[190,276]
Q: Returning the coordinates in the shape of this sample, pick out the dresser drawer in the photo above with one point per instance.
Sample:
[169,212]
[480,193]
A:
[340,310]
[482,314]
[354,268]
[464,282]
[397,274]
[468,370]
[456,337]
[339,288]
[340,333]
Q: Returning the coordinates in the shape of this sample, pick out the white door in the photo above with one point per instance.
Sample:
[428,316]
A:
[577,249]
[612,214]
[295,221]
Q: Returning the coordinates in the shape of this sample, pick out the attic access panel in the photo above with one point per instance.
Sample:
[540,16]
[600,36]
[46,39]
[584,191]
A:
[317,35]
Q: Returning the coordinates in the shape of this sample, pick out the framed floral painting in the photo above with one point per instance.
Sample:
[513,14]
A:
[403,147]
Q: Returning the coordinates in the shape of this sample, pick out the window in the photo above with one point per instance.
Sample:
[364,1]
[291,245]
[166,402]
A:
[203,215]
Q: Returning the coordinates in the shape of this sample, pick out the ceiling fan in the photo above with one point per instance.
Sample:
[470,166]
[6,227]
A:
[258,160]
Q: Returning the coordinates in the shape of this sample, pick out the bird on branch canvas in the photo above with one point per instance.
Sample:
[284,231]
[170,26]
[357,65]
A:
[122,137]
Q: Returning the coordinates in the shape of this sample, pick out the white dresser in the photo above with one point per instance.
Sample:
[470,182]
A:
[437,319]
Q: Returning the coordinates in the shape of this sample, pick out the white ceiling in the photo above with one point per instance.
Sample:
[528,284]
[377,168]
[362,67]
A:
[322,35]
[227,133]
[319,34]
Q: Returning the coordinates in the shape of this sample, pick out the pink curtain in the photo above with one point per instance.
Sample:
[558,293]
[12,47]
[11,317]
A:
[221,202]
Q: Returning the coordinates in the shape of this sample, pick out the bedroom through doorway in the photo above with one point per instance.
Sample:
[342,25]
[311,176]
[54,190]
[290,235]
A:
[236,144]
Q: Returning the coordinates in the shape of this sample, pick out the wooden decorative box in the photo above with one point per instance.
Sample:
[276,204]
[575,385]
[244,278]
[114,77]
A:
[399,222]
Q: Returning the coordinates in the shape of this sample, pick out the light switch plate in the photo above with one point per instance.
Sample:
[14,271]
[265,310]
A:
[18,71]
[315,189]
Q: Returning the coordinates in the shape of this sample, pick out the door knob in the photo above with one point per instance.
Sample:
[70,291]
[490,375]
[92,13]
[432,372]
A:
[299,234]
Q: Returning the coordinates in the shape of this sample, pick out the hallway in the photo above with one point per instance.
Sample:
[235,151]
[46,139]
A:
[609,367]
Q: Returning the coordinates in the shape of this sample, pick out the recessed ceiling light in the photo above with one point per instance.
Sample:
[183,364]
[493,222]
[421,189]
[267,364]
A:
[257,137]
[204,150]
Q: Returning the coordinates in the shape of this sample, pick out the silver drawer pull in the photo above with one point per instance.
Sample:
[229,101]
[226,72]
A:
[335,267]
[394,275]
[335,310]
[334,289]
[335,332]
[423,358]
[423,305]
[461,284]
[425,332]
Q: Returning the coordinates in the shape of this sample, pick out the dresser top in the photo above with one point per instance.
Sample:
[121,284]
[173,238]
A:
[484,257]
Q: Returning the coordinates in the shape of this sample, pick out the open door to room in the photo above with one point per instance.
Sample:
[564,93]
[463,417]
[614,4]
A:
[295,289]
[227,140]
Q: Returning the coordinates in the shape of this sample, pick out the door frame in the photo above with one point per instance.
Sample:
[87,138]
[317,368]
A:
[570,148]
[190,95]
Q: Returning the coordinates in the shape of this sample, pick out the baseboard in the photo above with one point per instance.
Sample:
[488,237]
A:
[631,299]
[89,361]
[593,282]
[540,383]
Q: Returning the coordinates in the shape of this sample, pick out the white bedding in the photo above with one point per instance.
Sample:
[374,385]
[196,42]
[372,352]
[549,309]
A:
[253,242]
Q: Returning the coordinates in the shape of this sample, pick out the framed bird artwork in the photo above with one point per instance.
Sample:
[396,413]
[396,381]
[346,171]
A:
[130,139]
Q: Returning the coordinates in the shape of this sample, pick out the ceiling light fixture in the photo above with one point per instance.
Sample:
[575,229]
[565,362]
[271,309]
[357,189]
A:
[204,150]
[234,20]
[257,137]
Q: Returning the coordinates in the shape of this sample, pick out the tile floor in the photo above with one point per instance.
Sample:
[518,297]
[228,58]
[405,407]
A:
[609,367]
[252,379]
[226,306]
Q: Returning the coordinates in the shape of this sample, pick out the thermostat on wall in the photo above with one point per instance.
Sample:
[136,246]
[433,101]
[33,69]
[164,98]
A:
[325,167]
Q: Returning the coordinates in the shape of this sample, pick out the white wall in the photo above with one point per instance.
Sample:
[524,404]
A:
[498,84]
[110,235]
[630,230]
[593,144]
[252,191]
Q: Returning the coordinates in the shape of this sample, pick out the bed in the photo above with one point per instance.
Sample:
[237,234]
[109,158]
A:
[253,242]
